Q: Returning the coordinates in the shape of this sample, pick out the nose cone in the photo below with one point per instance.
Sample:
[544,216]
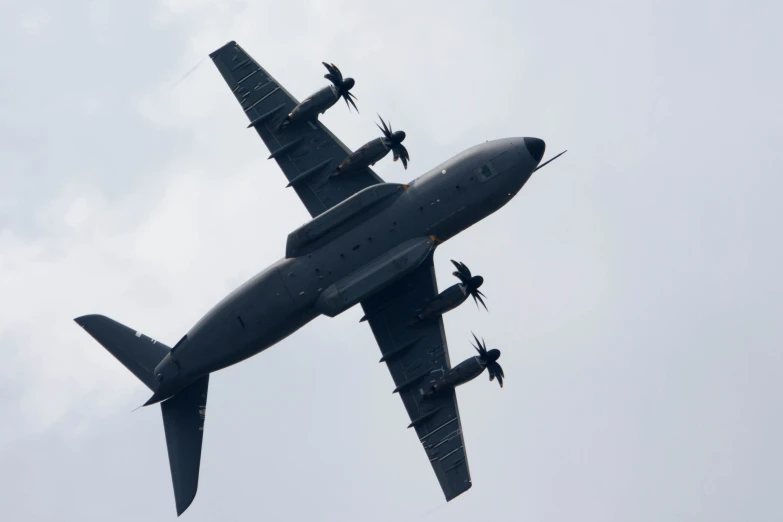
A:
[535,147]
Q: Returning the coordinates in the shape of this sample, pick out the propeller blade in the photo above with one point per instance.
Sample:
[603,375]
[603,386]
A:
[463,273]
[477,299]
[403,154]
[385,130]
[477,345]
[400,154]
[465,270]
[332,75]
[347,99]
[480,348]
[335,70]
[495,371]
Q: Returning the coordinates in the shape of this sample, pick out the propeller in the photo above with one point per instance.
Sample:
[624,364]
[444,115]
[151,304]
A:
[490,360]
[343,85]
[395,139]
[472,283]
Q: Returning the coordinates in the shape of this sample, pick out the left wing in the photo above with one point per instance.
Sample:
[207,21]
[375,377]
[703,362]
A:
[416,356]
[306,152]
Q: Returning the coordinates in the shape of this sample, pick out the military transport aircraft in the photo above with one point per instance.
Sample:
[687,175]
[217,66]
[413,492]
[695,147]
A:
[369,242]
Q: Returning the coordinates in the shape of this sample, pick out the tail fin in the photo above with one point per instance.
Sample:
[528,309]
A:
[183,421]
[183,414]
[138,352]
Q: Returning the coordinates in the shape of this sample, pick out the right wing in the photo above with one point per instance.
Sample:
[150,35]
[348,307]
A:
[416,356]
[307,152]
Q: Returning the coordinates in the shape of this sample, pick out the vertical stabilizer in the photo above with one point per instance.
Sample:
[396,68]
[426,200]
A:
[183,420]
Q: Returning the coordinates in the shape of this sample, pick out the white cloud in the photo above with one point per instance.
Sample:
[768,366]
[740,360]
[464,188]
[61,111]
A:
[35,21]
[632,285]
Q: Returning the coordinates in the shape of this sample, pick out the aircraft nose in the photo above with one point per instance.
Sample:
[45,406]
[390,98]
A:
[535,147]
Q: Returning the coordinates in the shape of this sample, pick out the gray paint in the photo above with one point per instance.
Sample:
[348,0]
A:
[358,248]
[282,298]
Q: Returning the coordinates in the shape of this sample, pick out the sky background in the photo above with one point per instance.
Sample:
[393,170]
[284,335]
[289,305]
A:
[633,285]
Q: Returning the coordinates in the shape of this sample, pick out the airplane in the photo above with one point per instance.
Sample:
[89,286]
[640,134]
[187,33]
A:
[369,242]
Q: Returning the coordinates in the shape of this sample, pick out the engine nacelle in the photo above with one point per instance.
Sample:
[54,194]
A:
[447,300]
[365,156]
[313,105]
[465,371]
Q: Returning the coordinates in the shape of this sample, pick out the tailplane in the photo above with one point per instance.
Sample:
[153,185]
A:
[138,352]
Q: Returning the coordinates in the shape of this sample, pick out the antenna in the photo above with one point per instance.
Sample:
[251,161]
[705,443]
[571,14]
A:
[549,161]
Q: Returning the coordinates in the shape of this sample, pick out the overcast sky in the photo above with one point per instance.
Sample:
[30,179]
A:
[633,285]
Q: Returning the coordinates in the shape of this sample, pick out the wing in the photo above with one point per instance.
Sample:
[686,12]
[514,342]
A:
[307,152]
[416,356]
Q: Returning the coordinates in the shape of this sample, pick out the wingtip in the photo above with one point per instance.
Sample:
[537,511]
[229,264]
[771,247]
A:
[454,495]
[216,51]
[84,319]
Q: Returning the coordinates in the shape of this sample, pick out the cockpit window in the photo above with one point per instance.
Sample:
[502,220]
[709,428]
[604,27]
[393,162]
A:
[486,172]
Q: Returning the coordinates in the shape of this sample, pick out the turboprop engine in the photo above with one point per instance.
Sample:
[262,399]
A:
[375,150]
[322,100]
[469,369]
[454,295]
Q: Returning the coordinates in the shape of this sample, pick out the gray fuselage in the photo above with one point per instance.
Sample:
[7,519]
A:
[282,298]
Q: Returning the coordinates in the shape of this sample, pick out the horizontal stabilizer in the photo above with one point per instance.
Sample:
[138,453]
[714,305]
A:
[138,352]
[183,421]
